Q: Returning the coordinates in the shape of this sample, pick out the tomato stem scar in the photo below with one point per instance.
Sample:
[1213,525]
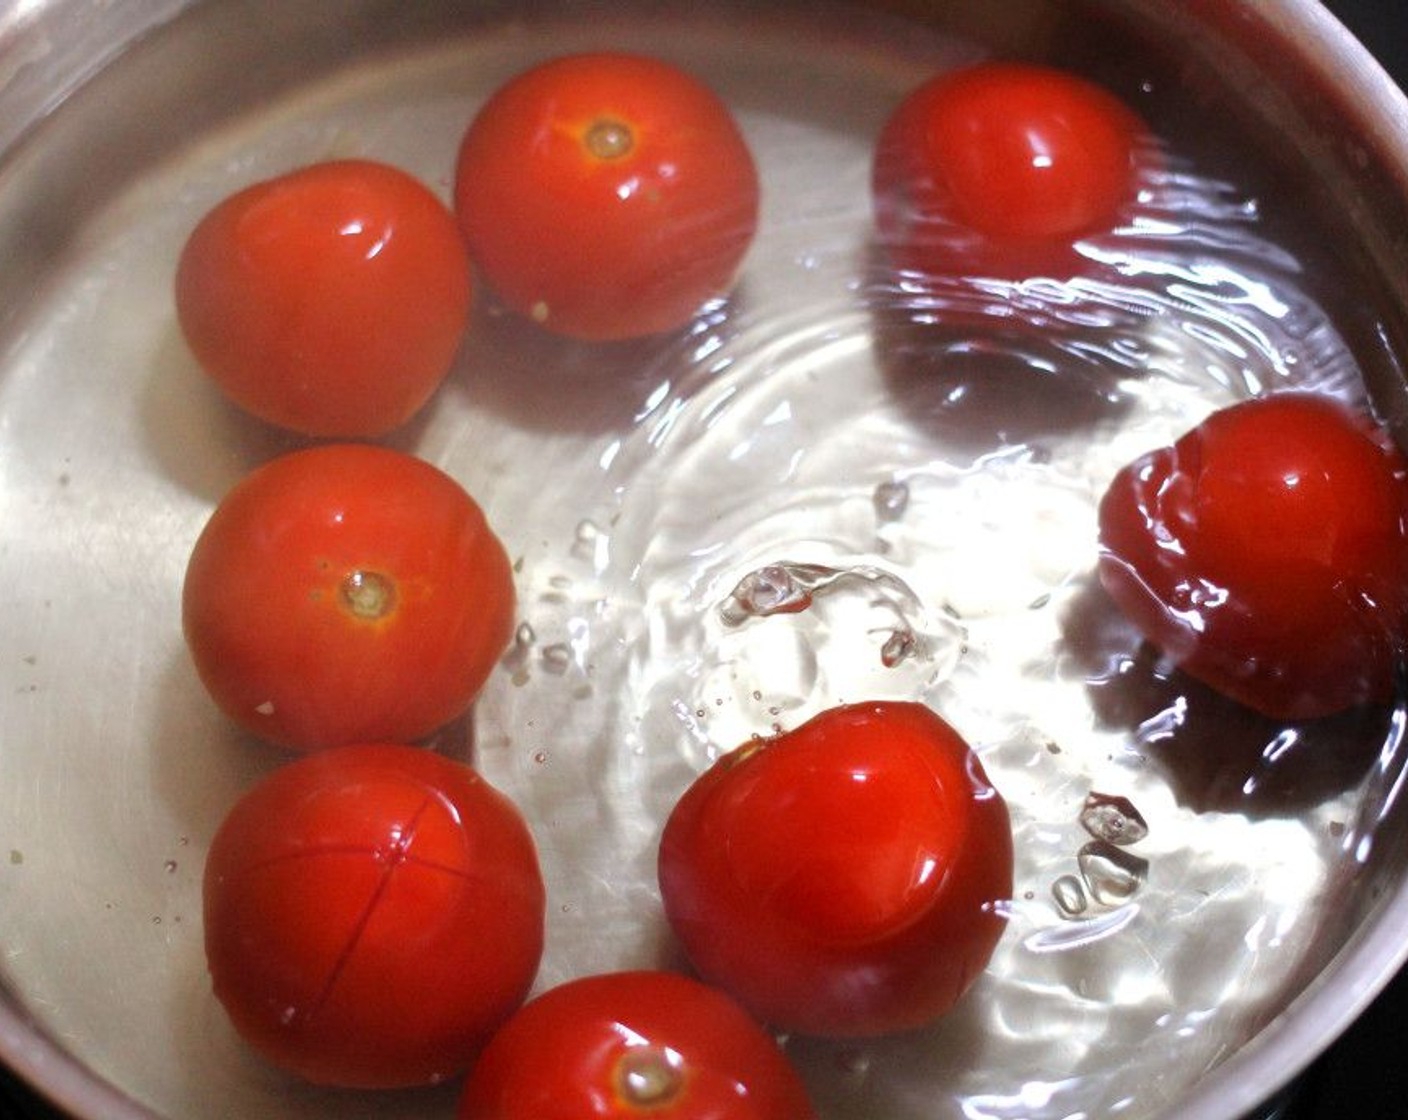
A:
[647,1077]
[609,139]
[368,595]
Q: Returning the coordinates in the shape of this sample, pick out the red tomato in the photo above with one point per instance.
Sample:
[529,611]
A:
[1266,553]
[330,301]
[846,878]
[633,1045]
[998,169]
[606,196]
[372,914]
[346,594]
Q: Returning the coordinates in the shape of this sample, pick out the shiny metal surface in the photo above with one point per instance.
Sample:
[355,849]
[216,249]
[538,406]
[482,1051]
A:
[1327,120]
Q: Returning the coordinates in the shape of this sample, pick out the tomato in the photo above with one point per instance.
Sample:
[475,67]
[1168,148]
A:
[343,594]
[846,878]
[1266,553]
[330,301]
[606,196]
[998,170]
[372,914]
[632,1046]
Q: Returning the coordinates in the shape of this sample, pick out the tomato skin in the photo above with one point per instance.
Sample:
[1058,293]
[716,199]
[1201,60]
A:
[846,878]
[330,301]
[998,169]
[281,612]
[372,914]
[590,241]
[567,1053]
[1266,552]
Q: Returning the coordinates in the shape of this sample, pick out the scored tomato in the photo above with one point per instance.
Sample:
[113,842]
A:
[372,914]
[346,593]
[606,196]
[999,169]
[1266,552]
[846,878]
[633,1046]
[331,300]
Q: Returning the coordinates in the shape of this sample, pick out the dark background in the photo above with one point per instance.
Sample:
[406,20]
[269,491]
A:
[1366,1072]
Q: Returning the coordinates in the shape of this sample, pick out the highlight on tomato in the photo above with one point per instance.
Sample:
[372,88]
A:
[999,169]
[846,878]
[1266,553]
[330,300]
[631,1046]
[346,593]
[606,196]
[372,914]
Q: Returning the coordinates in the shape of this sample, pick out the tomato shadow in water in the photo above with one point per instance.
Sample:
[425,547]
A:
[205,442]
[874,1076]
[544,382]
[990,366]
[1217,755]
[455,740]
[200,762]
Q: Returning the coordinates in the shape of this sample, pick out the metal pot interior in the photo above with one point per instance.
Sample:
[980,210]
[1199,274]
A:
[119,124]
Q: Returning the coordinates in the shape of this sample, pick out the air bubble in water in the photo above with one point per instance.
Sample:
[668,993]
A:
[588,541]
[899,646]
[774,589]
[1113,819]
[516,656]
[1069,895]
[1111,875]
[557,658]
[789,588]
[855,630]
[890,499]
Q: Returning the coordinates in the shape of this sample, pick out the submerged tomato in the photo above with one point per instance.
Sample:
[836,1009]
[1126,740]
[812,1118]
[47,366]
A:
[998,169]
[606,196]
[346,594]
[632,1046]
[846,878]
[330,300]
[1266,553]
[372,914]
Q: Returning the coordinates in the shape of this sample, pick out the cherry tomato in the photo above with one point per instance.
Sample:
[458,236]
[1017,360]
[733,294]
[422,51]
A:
[372,914]
[632,1046]
[846,878]
[999,169]
[1266,553]
[343,594]
[606,196]
[330,300]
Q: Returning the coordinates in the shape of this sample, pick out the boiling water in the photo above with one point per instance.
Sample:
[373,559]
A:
[816,494]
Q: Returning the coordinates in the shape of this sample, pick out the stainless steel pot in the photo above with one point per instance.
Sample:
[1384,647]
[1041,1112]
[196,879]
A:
[99,100]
